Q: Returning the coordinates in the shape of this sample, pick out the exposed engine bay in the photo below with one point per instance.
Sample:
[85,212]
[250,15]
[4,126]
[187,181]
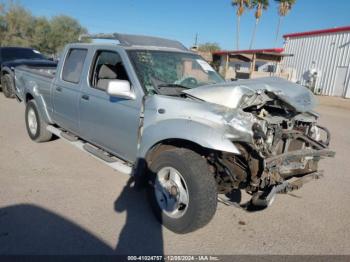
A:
[286,144]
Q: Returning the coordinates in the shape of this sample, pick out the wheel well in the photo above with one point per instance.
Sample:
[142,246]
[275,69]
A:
[29,97]
[175,143]
[142,164]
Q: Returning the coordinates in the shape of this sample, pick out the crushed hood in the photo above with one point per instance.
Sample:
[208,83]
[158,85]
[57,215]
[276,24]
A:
[245,93]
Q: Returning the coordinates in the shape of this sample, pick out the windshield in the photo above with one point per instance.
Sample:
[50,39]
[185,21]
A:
[9,54]
[170,73]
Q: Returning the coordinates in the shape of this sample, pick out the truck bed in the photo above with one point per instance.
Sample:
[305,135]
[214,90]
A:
[30,77]
[48,72]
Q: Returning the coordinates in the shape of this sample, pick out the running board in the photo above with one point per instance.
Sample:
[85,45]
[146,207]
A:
[70,137]
[111,161]
[99,153]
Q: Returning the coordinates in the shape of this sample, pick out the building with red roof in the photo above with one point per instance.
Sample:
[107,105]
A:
[243,64]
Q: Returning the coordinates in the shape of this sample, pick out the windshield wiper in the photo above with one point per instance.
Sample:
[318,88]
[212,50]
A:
[173,85]
[170,89]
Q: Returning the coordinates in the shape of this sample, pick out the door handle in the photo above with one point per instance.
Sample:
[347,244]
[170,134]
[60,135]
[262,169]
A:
[85,97]
[58,89]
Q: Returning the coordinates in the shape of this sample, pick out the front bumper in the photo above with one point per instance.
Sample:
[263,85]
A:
[266,198]
[279,163]
[294,162]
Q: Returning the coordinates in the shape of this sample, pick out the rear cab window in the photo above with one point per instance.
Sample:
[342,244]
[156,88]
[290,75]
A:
[73,65]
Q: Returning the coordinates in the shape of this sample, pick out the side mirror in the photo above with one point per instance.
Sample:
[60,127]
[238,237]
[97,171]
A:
[120,88]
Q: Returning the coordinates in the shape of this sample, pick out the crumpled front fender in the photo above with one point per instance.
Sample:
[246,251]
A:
[185,129]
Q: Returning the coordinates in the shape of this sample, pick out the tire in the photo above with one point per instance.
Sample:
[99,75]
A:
[195,179]
[36,126]
[7,86]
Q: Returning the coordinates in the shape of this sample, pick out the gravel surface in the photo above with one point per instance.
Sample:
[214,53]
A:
[54,199]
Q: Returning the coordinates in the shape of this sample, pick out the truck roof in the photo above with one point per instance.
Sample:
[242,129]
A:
[136,42]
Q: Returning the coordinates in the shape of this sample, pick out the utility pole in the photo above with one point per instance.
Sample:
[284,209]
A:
[196,40]
[195,46]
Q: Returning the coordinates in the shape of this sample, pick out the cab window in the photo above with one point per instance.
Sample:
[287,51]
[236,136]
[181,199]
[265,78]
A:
[108,66]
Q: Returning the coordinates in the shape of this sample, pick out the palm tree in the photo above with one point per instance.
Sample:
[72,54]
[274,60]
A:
[240,5]
[284,6]
[260,5]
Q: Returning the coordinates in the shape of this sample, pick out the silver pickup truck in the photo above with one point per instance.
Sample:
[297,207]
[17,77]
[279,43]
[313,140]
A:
[150,107]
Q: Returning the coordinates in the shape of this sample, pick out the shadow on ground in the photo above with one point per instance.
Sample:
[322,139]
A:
[142,233]
[29,229]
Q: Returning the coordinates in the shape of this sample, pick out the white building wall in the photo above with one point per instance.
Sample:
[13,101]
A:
[325,53]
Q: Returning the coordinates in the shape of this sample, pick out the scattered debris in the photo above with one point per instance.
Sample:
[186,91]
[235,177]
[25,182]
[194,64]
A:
[241,222]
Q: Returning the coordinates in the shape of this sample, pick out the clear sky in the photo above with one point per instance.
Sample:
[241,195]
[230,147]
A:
[213,20]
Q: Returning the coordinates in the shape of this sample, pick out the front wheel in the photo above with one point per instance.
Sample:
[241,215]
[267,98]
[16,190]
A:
[183,193]
[35,124]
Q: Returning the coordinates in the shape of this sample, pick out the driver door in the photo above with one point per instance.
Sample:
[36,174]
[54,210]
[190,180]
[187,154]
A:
[109,122]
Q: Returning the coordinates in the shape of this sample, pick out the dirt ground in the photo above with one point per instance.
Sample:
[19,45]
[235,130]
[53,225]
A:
[54,199]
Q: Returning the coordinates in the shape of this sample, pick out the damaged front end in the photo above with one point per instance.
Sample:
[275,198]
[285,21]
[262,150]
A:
[288,154]
[280,147]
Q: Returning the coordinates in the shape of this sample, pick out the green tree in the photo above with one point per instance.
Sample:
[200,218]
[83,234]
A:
[209,47]
[2,22]
[240,5]
[64,29]
[284,6]
[41,37]
[259,5]
[18,26]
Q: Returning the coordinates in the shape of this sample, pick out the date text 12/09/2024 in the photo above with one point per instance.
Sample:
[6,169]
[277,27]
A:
[173,258]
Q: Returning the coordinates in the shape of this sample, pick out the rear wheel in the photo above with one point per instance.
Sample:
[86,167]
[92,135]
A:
[7,86]
[183,193]
[36,126]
